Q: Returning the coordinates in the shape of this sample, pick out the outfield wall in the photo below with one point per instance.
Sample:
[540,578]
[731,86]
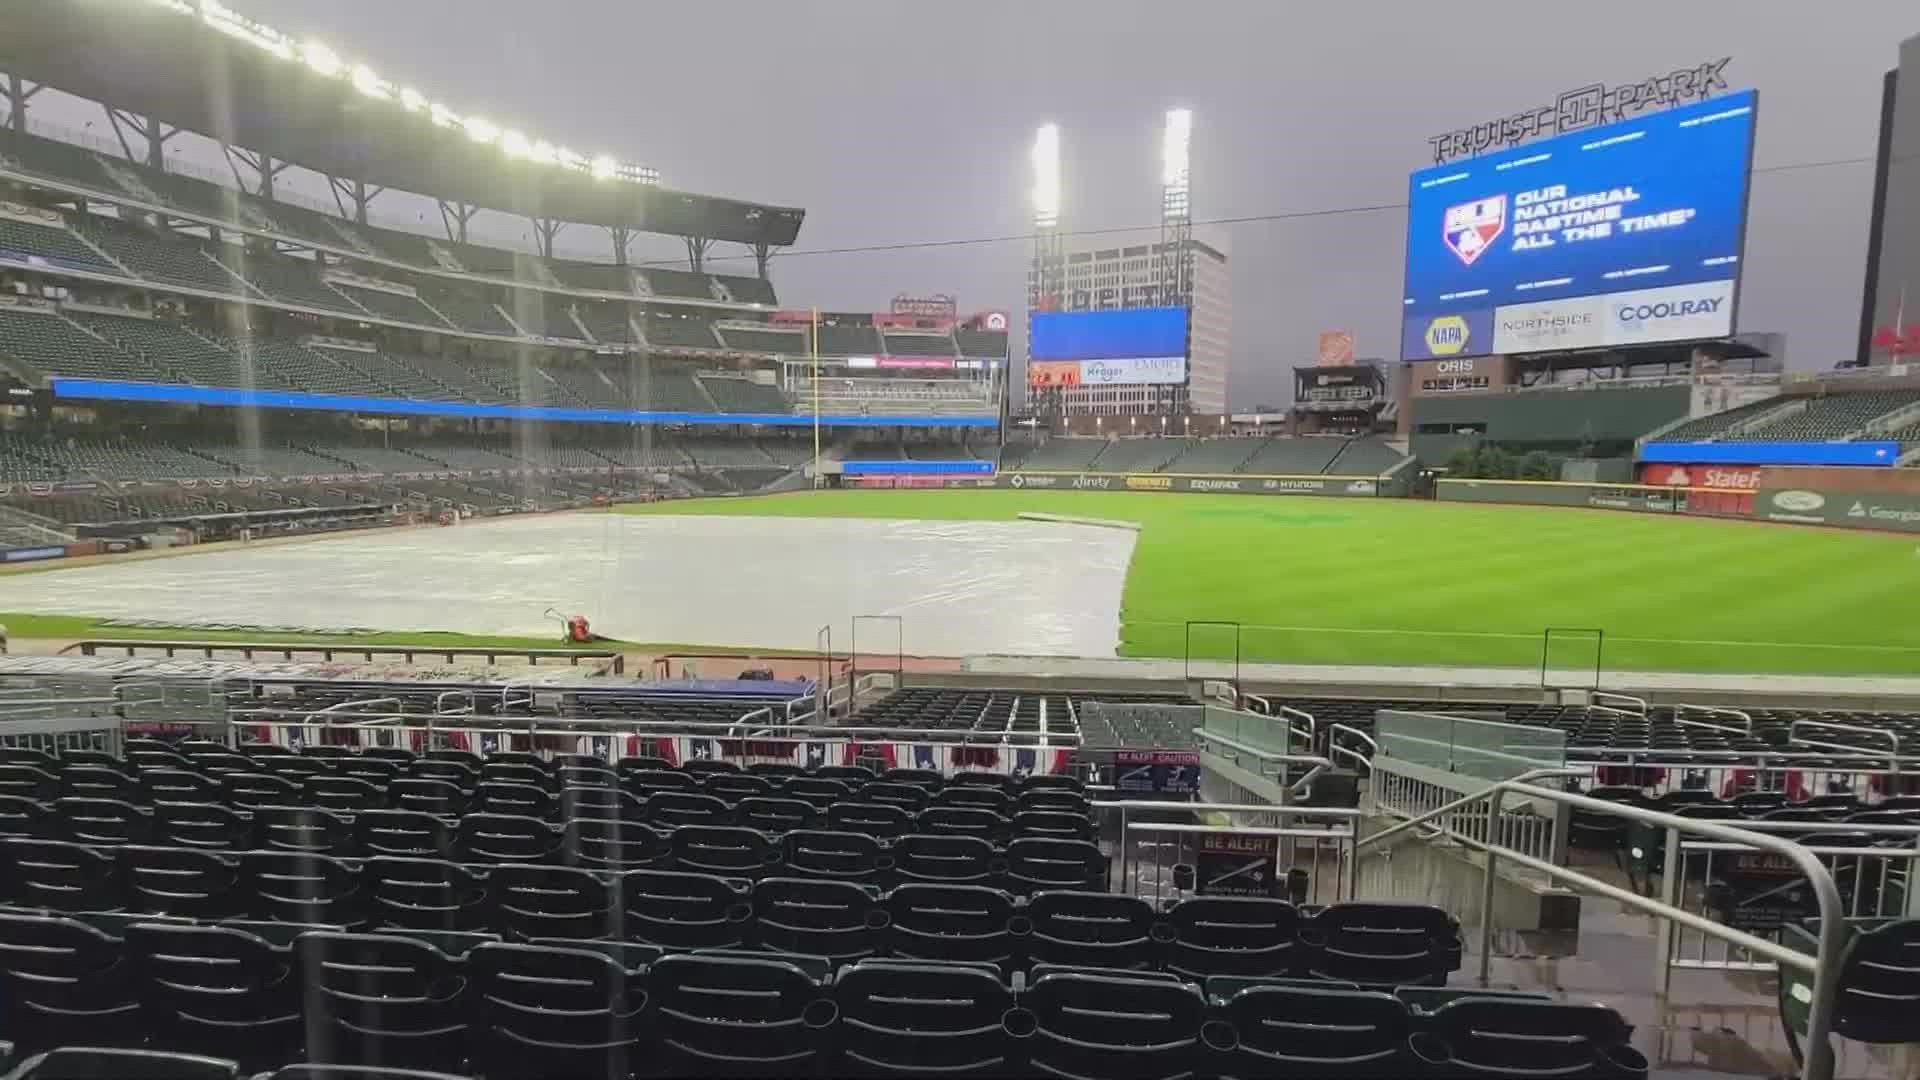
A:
[1801,503]
[1228,484]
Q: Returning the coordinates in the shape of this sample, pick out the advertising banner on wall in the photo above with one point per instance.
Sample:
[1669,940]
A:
[1468,332]
[1134,371]
[1336,348]
[1053,373]
[1899,513]
[1347,486]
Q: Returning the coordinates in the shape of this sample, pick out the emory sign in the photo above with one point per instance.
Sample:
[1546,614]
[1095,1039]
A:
[1584,107]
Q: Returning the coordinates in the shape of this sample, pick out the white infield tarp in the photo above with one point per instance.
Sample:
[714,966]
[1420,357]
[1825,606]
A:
[1017,587]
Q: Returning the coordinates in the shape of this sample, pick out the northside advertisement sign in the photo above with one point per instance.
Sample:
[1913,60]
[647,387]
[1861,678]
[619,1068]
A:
[1345,486]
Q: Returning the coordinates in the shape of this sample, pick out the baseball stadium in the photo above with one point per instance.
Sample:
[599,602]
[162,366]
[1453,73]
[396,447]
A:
[428,655]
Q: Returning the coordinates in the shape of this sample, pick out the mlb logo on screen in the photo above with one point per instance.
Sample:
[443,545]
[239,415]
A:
[1469,229]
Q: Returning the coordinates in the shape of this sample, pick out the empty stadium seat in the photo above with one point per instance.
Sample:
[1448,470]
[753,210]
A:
[565,1013]
[918,1019]
[382,1000]
[1140,1029]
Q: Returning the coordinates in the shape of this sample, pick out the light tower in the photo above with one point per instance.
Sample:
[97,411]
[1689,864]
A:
[1047,277]
[1176,224]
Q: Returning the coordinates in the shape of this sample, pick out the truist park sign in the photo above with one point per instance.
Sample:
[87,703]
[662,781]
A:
[1584,107]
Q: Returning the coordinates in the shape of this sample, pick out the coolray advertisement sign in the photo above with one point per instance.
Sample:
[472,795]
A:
[1678,313]
[1646,204]
[1467,332]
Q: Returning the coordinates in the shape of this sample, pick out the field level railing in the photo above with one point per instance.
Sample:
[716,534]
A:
[329,651]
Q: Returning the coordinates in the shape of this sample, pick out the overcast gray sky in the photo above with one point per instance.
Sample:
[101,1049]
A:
[897,121]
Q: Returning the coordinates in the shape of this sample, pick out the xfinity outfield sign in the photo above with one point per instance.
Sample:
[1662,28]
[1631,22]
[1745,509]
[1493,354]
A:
[1584,107]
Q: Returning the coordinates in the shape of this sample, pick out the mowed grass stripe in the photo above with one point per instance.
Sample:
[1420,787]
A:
[1454,583]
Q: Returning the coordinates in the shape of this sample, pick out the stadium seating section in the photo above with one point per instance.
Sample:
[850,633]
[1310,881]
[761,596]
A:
[1278,455]
[1829,418]
[515,916]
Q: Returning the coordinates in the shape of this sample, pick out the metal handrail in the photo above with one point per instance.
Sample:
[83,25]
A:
[1793,736]
[341,706]
[1745,718]
[1465,800]
[1823,965]
[1629,698]
[1320,764]
[1340,729]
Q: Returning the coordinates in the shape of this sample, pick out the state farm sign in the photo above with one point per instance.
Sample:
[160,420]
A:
[1701,476]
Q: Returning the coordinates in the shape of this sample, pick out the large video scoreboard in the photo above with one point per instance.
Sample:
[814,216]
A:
[1619,235]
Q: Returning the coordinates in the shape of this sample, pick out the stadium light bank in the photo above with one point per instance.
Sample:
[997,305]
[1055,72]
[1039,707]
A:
[323,61]
[1046,176]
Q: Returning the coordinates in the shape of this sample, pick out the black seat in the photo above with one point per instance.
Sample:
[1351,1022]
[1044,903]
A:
[774,815]
[460,774]
[916,1019]
[217,989]
[1389,944]
[641,763]
[503,797]
[600,802]
[100,782]
[65,983]
[57,875]
[1000,782]
[1879,983]
[246,790]
[950,922]
[353,1072]
[1316,1031]
[551,902]
[731,787]
[725,850]
[909,797]
[1113,1027]
[645,782]
[973,821]
[182,881]
[1060,799]
[670,808]
[423,894]
[503,838]
[852,775]
[877,820]
[702,768]
[102,821]
[109,1063]
[377,771]
[382,1000]
[1052,825]
[443,798]
[532,773]
[735,1016]
[822,793]
[558,1013]
[835,856]
[1227,935]
[1035,863]
[402,833]
[946,860]
[1093,930]
[303,828]
[586,776]
[1504,1036]
[178,785]
[302,887]
[348,793]
[977,796]
[21,816]
[927,780]
[29,781]
[835,919]
[683,911]
[612,844]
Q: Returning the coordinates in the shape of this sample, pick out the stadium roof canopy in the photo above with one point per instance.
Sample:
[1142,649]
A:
[149,58]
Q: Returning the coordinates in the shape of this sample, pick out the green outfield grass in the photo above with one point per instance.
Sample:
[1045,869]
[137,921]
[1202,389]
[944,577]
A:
[1396,581]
